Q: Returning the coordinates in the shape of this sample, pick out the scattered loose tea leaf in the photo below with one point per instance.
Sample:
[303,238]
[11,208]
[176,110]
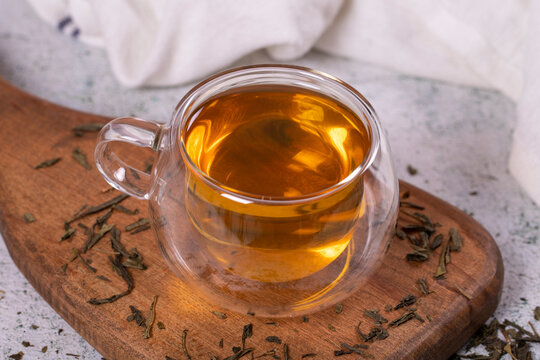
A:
[401,234]
[424,288]
[125,210]
[338,308]
[411,205]
[331,327]
[537,313]
[455,240]
[102,219]
[80,157]
[44,349]
[273,339]
[437,240]
[305,319]
[308,355]
[246,334]
[403,319]
[26,344]
[160,325]
[29,218]
[34,327]
[417,256]
[136,315]
[140,229]
[388,308]
[412,170]
[150,318]
[376,316]
[86,264]
[463,292]
[124,274]
[138,223]
[63,268]
[184,345]
[95,209]
[406,301]
[219,314]
[17,356]
[441,268]
[221,343]
[93,240]
[47,163]
[79,130]
[101,277]
[285,352]
[68,234]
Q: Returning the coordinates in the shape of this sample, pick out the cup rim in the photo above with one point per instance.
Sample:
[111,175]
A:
[182,114]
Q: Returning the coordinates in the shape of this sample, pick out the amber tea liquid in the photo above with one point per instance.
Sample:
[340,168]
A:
[280,151]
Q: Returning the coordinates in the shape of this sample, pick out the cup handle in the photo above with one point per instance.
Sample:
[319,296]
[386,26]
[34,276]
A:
[117,173]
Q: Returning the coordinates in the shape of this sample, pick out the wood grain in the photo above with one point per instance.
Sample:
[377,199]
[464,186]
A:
[32,130]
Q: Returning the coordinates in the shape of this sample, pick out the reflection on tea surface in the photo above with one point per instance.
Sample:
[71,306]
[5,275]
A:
[274,143]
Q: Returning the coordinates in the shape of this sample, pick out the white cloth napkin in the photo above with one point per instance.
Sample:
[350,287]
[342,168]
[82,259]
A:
[479,43]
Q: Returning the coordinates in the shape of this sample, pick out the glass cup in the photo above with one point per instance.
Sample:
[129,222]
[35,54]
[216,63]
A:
[268,255]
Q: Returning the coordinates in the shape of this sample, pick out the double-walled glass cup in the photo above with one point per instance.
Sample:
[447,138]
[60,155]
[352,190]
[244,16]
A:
[263,255]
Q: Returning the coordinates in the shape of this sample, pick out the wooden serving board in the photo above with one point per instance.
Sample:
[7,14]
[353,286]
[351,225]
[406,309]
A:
[32,130]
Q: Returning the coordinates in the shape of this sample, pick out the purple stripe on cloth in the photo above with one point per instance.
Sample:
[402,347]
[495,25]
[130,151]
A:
[63,22]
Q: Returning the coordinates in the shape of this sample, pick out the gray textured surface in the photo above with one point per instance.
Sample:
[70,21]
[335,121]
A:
[457,137]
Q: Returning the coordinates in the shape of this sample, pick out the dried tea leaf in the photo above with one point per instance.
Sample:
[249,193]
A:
[184,345]
[47,163]
[79,130]
[424,288]
[401,234]
[138,223]
[406,301]
[463,292]
[125,210]
[417,256]
[93,240]
[160,325]
[140,229]
[219,314]
[412,170]
[68,234]
[86,264]
[17,356]
[437,240]
[80,157]
[29,218]
[537,313]
[95,209]
[338,308]
[376,316]
[402,319]
[455,240]
[124,274]
[411,205]
[150,318]
[273,339]
[441,267]
[246,334]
